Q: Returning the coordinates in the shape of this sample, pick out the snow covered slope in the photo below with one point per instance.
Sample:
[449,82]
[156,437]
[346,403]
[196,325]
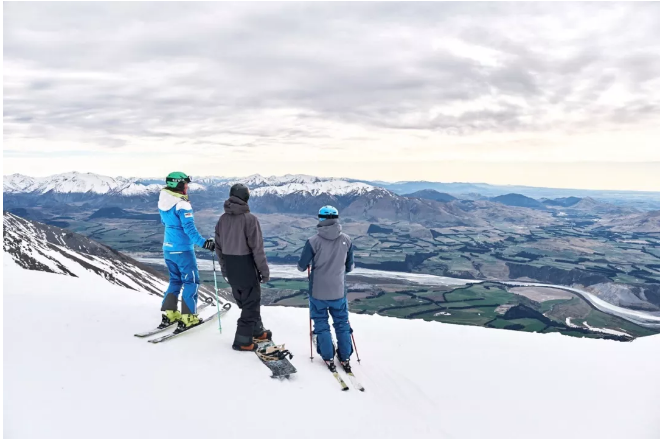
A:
[73,369]
[39,247]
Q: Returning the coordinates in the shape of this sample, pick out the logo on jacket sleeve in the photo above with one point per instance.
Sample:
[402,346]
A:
[188,214]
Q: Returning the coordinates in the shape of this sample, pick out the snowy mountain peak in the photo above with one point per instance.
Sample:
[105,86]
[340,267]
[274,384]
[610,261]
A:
[90,183]
[16,183]
[330,187]
[71,182]
[257,180]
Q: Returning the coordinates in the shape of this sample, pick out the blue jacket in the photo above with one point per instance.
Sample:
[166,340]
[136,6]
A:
[177,216]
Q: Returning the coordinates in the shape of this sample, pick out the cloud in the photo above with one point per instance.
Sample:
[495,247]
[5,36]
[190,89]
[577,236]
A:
[303,77]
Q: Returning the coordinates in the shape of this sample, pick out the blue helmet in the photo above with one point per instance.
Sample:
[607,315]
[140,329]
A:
[327,212]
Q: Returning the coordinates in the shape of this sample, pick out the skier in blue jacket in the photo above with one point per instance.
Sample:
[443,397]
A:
[330,255]
[179,238]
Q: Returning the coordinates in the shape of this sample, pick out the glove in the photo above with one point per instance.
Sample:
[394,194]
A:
[263,279]
[209,244]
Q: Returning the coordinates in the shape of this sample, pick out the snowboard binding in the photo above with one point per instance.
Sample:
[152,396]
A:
[274,353]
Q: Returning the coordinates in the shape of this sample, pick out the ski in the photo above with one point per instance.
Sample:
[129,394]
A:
[348,370]
[340,380]
[159,329]
[334,372]
[169,336]
[355,383]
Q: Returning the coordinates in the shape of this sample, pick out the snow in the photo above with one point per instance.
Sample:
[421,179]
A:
[331,187]
[16,183]
[32,243]
[75,182]
[73,369]
[570,324]
[134,189]
[195,187]
[606,330]
[256,180]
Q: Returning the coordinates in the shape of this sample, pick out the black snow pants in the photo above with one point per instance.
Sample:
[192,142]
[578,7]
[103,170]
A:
[249,323]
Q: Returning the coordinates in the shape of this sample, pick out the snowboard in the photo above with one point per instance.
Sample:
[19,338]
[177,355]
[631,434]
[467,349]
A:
[276,358]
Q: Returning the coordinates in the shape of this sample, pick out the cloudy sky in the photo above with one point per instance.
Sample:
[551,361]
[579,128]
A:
[542,94]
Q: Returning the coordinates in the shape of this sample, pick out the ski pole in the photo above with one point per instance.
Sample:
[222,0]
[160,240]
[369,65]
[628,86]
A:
[310,321]
[354,343]
[216,292]
[310,335]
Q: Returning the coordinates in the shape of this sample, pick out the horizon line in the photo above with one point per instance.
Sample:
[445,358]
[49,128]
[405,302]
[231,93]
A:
[373,182]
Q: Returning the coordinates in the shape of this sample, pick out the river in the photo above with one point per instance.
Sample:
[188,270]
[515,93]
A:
[286,271]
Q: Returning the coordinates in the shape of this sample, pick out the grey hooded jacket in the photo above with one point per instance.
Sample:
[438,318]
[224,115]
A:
[330,255]
[239,245]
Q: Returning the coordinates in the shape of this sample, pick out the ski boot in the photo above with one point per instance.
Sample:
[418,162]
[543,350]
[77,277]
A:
[345,364]
[330,364]
[250,347]
[187,321]
[266,335]
[169,318]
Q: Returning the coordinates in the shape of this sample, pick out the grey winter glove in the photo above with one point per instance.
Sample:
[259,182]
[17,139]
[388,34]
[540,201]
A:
[264,279]
[209,244]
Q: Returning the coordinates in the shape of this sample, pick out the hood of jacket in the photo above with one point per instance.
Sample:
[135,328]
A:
[235,206]
[168,199]
[329,229]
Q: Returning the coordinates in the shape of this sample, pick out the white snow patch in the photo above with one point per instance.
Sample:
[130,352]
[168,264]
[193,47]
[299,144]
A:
[570,324]
[606,330]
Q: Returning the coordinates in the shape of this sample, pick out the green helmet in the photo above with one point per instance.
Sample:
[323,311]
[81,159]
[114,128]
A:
[176,179]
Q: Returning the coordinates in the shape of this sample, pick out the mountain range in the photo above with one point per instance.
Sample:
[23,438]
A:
[62,195]
[642,200]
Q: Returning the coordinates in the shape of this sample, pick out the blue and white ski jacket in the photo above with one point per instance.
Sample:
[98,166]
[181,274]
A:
[177,216]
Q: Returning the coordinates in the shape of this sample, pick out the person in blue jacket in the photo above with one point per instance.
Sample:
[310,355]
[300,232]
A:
[179,238]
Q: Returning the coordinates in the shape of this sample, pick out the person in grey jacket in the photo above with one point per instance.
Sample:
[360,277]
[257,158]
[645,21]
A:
[239,246]
[330,254]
